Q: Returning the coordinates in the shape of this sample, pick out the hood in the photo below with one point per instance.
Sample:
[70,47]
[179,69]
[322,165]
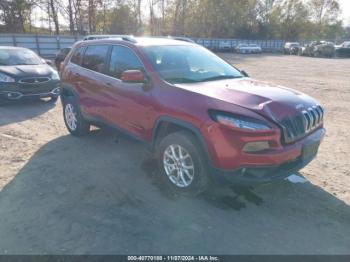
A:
[19,71]
[272,101]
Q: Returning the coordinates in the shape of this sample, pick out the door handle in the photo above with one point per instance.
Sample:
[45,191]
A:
[76,74]
[108,84]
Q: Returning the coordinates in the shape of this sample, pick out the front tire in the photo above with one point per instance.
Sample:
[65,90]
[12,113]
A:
[75,122]
[182,164]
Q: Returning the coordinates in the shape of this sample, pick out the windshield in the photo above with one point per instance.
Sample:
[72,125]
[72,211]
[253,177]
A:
[188,64]
[10,57]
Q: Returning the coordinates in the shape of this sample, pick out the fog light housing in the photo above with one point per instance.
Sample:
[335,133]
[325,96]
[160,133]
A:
[253,147]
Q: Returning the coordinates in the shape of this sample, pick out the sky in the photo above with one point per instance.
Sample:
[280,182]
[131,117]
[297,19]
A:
[345,6]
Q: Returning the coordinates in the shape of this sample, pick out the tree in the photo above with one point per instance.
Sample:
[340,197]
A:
[324,11]
[292,15]
[53,12]
[15,14]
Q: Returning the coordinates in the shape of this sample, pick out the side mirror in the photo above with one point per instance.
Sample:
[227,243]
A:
[133,76]
[244,73]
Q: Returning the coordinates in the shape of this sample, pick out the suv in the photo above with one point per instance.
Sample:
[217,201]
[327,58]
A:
[200,116]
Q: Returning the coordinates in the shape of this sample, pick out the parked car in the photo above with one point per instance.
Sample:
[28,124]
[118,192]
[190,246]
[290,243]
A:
[202,117]
[224,46]
[343,50]
[318,49]
[23,74]
[60,56]
[291,48]
[248,49]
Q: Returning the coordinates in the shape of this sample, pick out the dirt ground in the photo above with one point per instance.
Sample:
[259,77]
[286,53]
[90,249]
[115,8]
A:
[98,195]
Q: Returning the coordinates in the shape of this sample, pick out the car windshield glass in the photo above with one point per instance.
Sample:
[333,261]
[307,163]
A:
[10,57]
[189,64]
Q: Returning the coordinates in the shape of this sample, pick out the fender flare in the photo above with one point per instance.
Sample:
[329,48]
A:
[186,126]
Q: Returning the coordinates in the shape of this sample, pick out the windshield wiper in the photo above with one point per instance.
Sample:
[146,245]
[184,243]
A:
[220,77]
[180,80]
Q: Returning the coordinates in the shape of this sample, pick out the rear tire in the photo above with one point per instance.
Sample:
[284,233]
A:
[176,153]
[75,122]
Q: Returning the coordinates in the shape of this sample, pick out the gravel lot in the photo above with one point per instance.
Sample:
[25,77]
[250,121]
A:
[98,195]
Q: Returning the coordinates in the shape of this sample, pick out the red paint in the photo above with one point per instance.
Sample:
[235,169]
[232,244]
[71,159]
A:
[136,107]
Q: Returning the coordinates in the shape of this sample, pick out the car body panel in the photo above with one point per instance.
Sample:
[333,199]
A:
[318,49]
[139,109]
[343,50]
[291,48]
[29,80]
[248,49]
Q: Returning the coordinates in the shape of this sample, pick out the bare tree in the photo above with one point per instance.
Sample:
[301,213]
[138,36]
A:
[324,10]
[53,8]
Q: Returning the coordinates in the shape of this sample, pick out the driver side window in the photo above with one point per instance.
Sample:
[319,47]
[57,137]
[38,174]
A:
[122,59]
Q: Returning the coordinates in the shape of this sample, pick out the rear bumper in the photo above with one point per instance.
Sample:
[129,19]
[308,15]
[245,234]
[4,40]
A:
[257,174]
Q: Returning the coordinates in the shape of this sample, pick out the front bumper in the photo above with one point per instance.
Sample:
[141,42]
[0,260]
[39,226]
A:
[16,91]
[278,165]
[261,175]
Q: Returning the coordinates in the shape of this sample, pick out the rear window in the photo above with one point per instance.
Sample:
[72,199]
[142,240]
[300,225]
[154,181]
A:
[78,55]
[94,57]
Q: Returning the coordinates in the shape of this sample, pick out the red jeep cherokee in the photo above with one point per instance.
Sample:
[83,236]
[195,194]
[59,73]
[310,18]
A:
[200,115]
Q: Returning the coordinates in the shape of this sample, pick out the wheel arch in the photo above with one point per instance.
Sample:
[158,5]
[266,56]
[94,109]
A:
[166,125]
[67,91]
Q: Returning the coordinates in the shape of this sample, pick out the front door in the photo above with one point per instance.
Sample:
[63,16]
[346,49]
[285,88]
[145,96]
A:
[131,104]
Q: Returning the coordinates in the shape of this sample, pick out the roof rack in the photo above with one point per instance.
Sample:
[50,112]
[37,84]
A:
[129,38]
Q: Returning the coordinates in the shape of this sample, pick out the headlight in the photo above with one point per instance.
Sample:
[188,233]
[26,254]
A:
[240,121]
[6,78]
[55,75]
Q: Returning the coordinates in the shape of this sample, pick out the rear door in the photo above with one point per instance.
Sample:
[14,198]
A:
[92,80]
[70,73]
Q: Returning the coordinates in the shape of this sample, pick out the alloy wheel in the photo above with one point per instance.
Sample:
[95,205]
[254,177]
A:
[178,165]
[71,117]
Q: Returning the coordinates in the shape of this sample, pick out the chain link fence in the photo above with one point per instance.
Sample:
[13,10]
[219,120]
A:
[44,45]
[47,45]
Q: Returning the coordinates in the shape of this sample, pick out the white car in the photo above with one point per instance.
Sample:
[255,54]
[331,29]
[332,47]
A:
[248,49]
[225,46]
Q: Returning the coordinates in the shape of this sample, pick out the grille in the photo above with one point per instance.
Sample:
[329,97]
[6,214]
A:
[303,123]
[34,80]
